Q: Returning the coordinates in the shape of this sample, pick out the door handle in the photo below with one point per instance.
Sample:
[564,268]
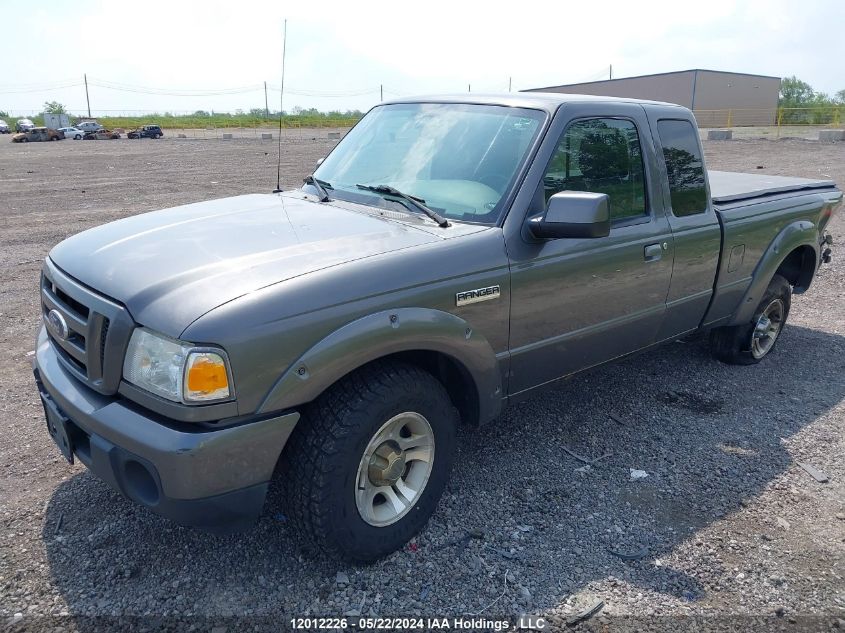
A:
[652,252]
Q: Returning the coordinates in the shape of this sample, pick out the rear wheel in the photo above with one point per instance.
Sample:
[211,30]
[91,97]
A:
[367,464]
[750,343]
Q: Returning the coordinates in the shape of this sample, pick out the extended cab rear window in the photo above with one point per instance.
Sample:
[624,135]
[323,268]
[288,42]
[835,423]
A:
[684,166]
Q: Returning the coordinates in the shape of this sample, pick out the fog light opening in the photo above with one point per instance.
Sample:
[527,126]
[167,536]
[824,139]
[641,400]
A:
[140,484]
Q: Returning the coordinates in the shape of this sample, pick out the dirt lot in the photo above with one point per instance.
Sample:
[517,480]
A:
[727,527]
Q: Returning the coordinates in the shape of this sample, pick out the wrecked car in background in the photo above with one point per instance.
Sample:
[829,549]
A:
[101,135]
[37,134]
[147,131]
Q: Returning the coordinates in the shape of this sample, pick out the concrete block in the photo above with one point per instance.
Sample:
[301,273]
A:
[334,134]
[181,136]
[832,135]
[227,137]
[719,135]
[266,136]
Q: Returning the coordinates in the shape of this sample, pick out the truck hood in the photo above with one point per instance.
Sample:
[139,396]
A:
[172,266]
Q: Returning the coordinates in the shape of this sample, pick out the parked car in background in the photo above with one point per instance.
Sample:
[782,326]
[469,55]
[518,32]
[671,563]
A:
[37,134]
[100,135]
[147,131]
[4,127]
[89,126]
[23,125]
[72,132]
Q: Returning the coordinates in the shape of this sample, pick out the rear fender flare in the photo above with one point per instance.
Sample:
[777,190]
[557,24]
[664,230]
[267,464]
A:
[382,334]
[794,235]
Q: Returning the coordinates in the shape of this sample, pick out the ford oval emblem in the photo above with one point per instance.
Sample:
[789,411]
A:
[57,324]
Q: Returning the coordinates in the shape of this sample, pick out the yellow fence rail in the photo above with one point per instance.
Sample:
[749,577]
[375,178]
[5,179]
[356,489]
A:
[819,116]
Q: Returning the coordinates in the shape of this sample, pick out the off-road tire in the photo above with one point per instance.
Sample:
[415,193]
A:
[732,344]
[320,463]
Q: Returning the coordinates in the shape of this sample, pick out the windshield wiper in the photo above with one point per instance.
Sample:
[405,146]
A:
[417,203]
[319,185]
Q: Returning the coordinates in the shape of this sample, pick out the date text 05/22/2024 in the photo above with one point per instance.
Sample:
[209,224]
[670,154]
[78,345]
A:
[420,623]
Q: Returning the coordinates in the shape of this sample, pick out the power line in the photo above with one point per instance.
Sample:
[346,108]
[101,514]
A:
[120,86]
[170,92]
[40,83]
[42,88]
[326,93]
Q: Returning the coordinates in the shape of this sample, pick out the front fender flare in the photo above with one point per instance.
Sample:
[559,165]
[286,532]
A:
[381,334]
[794,235]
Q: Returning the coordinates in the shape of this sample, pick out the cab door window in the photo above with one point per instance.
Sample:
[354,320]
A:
[601,156]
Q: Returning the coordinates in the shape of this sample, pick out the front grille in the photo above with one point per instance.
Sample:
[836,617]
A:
[103,336]
[97,329]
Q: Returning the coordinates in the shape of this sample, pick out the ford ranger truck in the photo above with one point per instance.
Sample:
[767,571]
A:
[450,255]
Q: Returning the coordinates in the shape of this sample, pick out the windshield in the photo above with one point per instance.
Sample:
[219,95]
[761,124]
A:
[459,158]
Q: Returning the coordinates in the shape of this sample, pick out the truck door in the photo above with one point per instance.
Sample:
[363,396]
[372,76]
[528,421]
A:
[695,227]
[577,302]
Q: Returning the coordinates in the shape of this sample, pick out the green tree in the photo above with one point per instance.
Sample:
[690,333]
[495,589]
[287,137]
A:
[795,93]
[54,107]
[802,105]
[840,97]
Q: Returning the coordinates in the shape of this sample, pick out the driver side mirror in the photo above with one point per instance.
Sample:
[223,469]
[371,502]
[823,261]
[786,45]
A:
[573,214]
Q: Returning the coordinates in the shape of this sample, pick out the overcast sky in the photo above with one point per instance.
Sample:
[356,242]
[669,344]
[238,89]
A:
[339,53]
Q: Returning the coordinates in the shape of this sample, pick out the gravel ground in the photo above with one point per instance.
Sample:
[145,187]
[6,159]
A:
[725,532]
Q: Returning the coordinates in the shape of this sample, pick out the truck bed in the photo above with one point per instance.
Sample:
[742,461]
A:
[753,211]
[731,186]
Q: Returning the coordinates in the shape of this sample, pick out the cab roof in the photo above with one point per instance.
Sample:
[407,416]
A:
[548,101]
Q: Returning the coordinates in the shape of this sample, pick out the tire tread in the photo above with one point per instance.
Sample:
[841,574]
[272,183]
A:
[328,424]
[729,344]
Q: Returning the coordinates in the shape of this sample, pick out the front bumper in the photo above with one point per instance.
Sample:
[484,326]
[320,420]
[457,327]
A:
[213,479]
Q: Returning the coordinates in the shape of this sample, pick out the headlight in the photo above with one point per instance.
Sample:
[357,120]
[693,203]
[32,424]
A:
[175,370]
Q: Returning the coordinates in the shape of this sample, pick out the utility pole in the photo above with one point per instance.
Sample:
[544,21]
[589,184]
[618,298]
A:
[381,92]
[87,100]
[510,84]
[611,71]
[469,87]
[266,103]
[284,48]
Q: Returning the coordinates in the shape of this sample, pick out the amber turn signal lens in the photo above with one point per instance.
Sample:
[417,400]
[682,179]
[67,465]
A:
[206,377]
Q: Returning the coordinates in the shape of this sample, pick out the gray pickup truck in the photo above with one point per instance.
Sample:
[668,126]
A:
[448,257]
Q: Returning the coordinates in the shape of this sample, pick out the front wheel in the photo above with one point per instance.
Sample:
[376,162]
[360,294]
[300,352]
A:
[368,462]
[750,343]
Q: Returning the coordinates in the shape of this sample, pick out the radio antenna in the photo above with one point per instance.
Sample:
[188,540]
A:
[278,188]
